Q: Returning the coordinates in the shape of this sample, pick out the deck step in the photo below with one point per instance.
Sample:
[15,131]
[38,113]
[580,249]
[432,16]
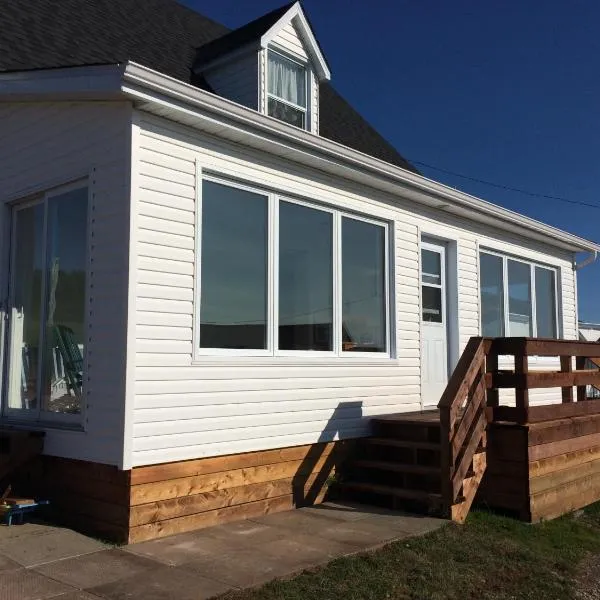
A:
[396,443]
[430,418]
[396,492]
[397,467]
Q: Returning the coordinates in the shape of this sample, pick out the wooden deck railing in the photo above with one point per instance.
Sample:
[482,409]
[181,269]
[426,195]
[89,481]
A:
[472,399]
[463,424]
[522,378]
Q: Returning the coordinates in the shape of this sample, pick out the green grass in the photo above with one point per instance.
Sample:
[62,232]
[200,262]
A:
[490,557]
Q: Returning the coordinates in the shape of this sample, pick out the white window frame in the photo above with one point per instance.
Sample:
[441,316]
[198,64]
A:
[272,350]
[303,109]
[439,249]
[39,416]
[532,264]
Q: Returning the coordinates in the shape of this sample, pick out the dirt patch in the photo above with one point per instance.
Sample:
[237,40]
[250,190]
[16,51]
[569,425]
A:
[587,583]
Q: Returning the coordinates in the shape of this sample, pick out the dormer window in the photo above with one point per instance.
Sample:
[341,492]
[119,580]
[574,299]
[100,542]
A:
[287,91]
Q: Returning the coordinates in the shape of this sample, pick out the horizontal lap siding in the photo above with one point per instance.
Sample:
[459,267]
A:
[221,406]
[184,410]
[48,144]
[289,40]
[237,80]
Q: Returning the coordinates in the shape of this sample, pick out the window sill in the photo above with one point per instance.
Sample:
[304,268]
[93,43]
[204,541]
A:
[294,360]
[41,425]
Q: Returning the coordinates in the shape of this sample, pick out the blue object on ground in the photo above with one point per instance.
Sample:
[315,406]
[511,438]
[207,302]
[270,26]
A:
[19,510]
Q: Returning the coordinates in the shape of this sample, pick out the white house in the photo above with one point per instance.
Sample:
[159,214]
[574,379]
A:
[211,262]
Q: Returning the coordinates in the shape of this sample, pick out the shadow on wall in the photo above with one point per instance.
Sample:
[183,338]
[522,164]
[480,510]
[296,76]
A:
[321,461]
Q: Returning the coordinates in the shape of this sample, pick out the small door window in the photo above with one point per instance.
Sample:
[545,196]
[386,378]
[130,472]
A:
[432,286]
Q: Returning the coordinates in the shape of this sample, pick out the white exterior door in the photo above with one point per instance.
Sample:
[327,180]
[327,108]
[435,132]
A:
[434,329]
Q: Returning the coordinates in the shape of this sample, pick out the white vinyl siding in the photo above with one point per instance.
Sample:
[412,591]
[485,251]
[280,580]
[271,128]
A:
[237,80]
[219,405]
[289,40]
[48,144]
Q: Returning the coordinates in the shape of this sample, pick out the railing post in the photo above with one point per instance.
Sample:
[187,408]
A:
[581,389]
[447,463]
[522,391]
[566,366]
[492,394]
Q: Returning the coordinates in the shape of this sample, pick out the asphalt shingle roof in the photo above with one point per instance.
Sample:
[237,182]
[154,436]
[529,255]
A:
[160,34]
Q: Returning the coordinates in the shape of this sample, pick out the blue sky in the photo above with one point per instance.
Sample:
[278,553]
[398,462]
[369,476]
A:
[506,92]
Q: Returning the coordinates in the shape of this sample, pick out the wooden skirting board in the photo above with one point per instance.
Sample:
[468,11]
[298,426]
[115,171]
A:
[543,470]
[159,500]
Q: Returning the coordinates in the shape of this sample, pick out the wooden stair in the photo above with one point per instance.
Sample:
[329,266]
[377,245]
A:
[401,467]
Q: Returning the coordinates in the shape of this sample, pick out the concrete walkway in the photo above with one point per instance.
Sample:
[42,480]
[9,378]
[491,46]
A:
[40,561]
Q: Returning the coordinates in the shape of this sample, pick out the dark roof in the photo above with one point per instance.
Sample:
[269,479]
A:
[241,36]
[160,34]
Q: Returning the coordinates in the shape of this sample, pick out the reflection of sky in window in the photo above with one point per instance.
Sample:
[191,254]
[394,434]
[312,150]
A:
[233,256]
[519,284]
[545,302]
[363,277]
[305,265]
[67,216]
[492,311]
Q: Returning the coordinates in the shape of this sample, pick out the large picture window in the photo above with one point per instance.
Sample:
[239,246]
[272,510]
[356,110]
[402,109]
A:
[518,298]
[280,276]
[47,306]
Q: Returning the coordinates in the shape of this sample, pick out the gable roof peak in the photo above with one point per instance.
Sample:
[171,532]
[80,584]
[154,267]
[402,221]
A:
[260,33]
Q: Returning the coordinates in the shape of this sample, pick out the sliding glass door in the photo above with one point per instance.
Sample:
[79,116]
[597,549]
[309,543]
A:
[47,307]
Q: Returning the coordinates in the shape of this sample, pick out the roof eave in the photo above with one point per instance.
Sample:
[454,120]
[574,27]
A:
[141,84]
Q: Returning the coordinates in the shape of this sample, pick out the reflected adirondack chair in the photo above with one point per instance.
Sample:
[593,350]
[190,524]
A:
[71,358]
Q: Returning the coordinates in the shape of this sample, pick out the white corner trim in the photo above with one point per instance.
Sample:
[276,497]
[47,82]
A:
[296,15]
[129,399]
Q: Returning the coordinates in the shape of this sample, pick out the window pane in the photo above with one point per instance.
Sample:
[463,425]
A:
[287,113]
[545,303]
[431,267]
[363,287]
[66,255]
[25,310]
[233,305]
[492,295]
[305,278]
[287,79]
[432,304]
[519,299]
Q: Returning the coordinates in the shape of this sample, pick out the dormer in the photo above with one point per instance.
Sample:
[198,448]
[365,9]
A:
[273,65]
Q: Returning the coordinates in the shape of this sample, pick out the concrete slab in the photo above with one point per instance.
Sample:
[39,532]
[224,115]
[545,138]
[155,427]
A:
[6,564]
[26,529]
[96,569]
[35,550]
[361,534]
[244,567]
[78,595]
[27,585]
[182,548]
[347,511]
[164,583]
[299,521]
[409,523]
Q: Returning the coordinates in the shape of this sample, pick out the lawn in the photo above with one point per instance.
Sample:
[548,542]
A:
[490,557]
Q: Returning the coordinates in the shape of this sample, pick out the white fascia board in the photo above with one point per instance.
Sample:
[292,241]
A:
[327,152]
[296,15]
[96,82]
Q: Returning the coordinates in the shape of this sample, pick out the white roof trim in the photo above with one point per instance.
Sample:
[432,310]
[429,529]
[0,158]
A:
[296,16]
[151,88]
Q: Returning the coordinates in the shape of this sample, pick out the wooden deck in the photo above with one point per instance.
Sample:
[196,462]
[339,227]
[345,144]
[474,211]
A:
[537,461]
